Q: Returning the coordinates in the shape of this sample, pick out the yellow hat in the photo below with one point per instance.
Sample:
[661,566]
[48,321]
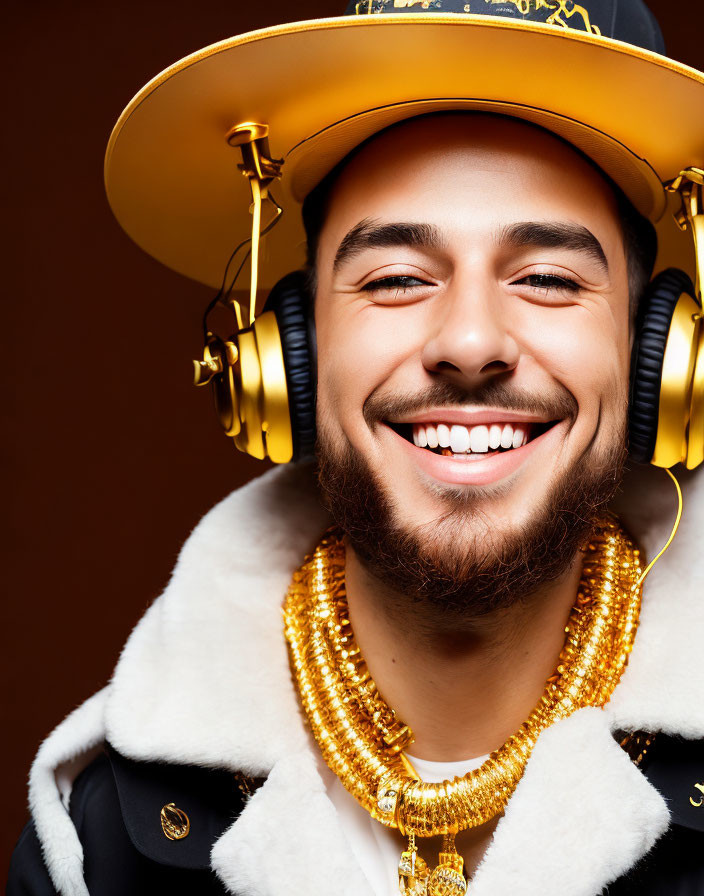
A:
[589,72]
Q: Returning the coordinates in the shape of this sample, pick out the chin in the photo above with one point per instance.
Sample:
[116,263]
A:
[465,549]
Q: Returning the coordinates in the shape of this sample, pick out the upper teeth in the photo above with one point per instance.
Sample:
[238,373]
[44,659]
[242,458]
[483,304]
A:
[473,439]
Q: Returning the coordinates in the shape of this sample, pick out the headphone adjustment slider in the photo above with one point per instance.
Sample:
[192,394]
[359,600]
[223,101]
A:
[260,169]
[689,184]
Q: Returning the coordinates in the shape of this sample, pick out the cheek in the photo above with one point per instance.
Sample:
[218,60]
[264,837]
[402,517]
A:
[586,349]
[360,346]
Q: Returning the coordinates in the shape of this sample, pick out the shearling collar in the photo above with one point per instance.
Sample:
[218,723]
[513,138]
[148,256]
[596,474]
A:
[204,680]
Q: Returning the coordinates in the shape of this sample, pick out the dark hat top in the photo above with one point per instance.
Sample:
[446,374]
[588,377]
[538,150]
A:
[628,20]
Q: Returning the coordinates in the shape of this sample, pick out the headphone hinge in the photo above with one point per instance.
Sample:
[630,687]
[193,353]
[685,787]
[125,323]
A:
[253,140]
[205,370]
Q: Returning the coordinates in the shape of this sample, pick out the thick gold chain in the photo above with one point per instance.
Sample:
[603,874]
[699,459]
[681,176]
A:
[362,740]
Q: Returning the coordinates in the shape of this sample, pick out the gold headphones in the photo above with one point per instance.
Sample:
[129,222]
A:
[666,414]
[247,369]
[263,375]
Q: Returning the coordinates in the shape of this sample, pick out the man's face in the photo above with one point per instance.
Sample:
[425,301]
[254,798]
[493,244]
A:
[472,289]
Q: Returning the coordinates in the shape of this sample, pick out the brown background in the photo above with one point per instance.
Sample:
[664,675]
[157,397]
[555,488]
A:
[111,456]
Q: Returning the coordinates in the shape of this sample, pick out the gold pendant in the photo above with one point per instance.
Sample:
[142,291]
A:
[447,878]
[412,871]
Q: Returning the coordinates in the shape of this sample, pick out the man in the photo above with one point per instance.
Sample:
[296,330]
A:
[464,686]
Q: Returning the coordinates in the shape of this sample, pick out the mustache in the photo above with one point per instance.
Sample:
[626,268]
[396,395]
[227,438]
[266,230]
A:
[560,405]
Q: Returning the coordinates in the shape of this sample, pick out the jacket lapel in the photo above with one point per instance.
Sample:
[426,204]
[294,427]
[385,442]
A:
[204,678]
[581,816]
[288,839]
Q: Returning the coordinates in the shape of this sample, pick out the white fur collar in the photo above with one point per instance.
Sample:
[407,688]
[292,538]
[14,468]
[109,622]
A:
[204,679]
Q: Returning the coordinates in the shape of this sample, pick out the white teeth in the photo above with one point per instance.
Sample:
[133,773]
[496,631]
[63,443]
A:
[462,439]
[459,439]
[479,439]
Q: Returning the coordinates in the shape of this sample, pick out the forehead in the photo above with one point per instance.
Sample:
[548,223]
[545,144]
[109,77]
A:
[494,168]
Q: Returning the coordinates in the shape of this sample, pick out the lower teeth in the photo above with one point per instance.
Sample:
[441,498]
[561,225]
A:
[448,452]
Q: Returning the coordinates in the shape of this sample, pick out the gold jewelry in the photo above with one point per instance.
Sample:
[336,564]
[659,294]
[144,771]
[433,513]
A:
[362,740]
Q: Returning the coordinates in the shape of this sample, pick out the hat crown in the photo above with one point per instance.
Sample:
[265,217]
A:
[627,20]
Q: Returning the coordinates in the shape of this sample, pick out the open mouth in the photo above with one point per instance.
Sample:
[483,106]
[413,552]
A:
[464,442]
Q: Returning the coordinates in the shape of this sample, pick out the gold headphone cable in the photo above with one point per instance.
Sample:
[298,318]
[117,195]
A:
[675,527]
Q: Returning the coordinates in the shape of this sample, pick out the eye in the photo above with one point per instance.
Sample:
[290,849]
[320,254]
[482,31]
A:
[399,283]
[549,282]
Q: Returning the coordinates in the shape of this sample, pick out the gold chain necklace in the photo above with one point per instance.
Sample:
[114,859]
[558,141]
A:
[362,740]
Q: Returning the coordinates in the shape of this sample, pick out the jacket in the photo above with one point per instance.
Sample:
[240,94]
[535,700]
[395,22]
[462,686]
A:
[203,688]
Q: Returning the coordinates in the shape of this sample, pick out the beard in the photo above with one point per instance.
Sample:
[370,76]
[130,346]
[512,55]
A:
[462,566]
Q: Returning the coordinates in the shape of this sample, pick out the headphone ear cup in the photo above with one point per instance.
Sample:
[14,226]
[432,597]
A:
[290,302]
[657,307]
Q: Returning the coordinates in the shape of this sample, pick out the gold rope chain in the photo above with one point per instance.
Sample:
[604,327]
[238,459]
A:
[362,740]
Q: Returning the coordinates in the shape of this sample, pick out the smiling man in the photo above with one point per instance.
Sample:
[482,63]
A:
[464,695]
[487,423]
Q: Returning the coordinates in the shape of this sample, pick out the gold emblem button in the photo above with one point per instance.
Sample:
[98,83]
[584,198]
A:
[174,822]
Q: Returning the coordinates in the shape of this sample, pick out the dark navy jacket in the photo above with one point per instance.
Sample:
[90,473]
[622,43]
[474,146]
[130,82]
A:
[116,807]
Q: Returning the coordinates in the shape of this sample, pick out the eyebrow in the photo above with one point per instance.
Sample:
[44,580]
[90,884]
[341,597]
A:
[370,234]
[553,235]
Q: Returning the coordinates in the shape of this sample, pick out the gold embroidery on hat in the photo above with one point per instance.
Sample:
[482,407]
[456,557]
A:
[523,6]
[369,7]
[560,10]
[563,10]
[568,8]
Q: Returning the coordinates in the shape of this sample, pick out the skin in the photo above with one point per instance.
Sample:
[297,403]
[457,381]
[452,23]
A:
[474,310]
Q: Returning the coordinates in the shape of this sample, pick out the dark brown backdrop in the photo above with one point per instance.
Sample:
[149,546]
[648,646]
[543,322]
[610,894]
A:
[111,456]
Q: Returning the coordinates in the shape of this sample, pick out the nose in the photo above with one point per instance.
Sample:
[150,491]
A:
[470,335]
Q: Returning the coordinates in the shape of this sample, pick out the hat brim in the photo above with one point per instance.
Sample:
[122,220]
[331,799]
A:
[324,86]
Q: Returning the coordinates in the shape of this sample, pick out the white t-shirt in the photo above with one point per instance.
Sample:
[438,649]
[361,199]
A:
[376,847]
